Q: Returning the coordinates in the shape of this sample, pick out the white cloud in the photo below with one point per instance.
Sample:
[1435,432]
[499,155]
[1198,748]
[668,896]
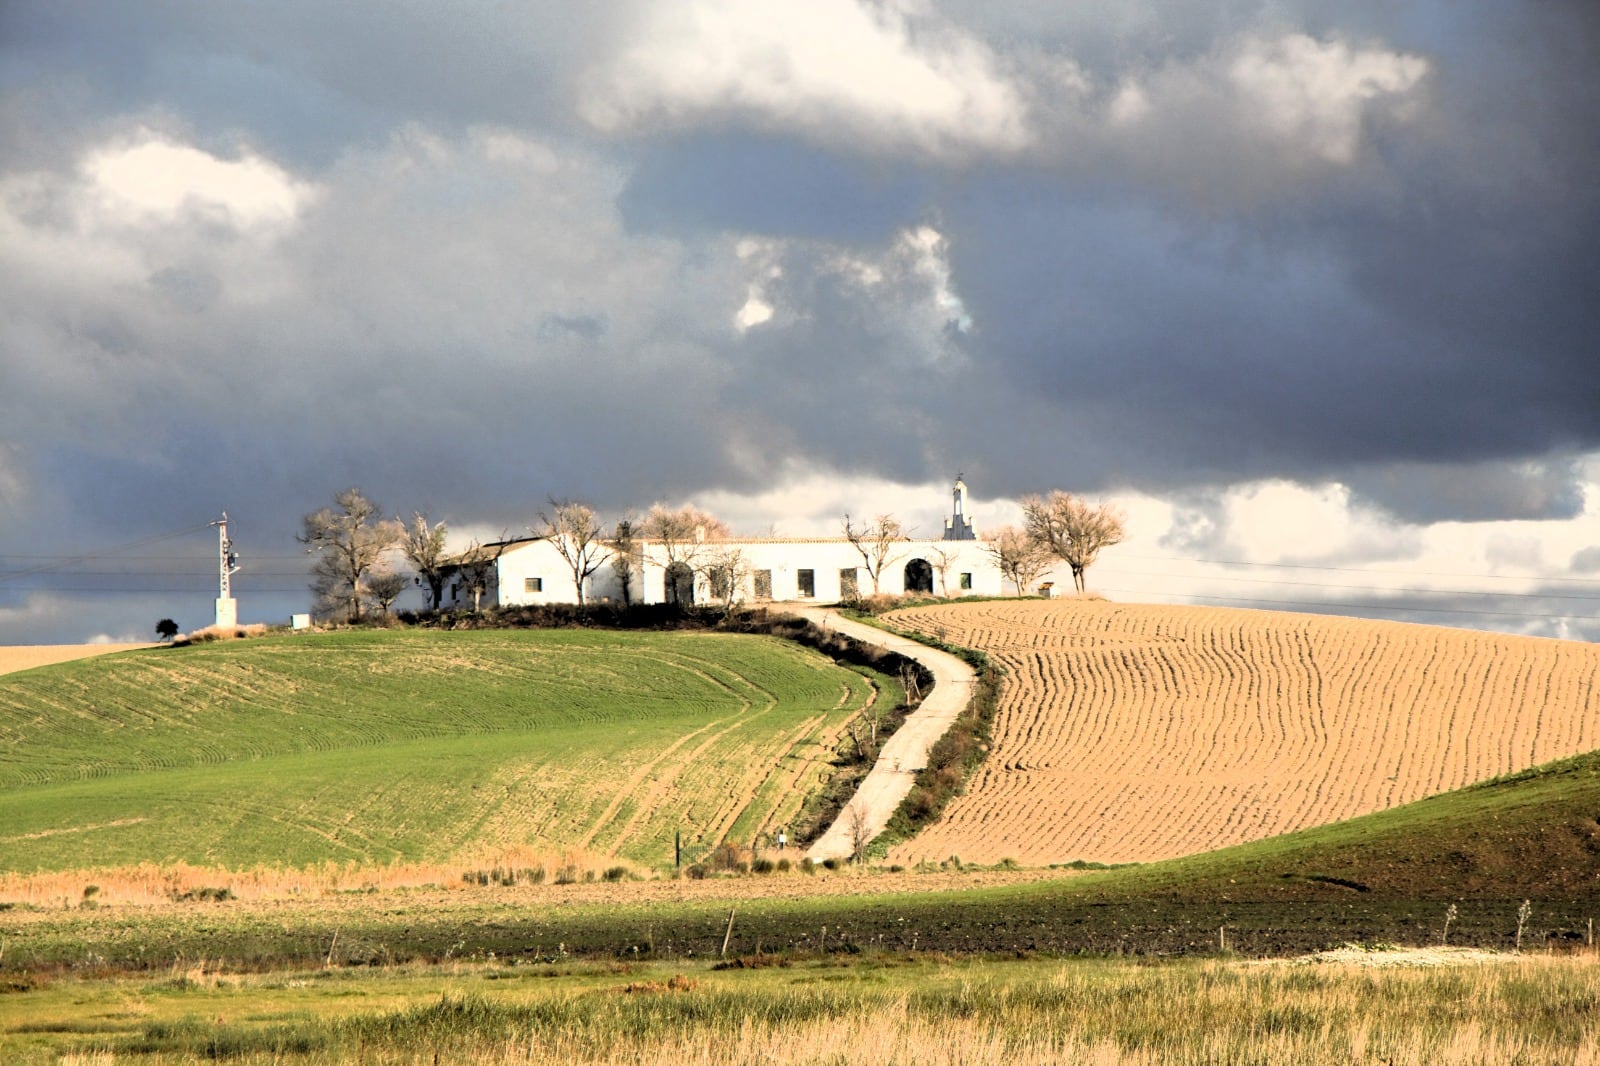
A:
[762,255]
[928,255]
[908,280]
[158,178]
[1315,94]
[1288,544]
[808,500]
[1251,117]
[878,76]
[1284,522]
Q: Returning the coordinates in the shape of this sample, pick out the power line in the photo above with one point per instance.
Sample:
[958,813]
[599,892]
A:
[68,560]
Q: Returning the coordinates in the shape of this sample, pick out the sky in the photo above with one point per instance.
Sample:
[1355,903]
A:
[1309,289]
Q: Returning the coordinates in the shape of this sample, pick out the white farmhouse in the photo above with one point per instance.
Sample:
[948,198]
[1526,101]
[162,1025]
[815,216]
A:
[754,569]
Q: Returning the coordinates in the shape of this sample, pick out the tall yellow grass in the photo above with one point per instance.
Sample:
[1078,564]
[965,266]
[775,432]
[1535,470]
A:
[149,883]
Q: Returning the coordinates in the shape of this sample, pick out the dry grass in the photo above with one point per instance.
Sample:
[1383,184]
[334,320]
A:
[1133,733]
[149,883]
[1524,1010]
[265,888]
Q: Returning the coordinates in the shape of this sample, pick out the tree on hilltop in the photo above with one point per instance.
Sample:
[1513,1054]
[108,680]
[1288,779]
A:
[423,545]
[876,542]
[624,545]
[682,534]
[384,586]
[1021,558]
[475,569]
[1072,529]
[348,539]
[575,531]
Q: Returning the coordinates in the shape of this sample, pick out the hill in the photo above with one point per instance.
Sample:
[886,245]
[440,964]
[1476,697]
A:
[1132,733]
[379,746]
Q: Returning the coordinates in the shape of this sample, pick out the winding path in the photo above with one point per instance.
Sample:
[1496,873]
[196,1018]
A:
[904,753]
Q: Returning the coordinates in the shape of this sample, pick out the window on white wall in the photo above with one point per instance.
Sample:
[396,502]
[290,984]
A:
[966,581]
[533,584]
[807,580]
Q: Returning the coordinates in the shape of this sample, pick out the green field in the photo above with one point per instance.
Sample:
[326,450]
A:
[374,747]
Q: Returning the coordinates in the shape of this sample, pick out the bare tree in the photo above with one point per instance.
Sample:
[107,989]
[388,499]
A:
[943,559]
[682,534]
[726,570]
[384,586]
[624,546]
[859,822]
[423,545]
[475,569]
[876,542]
[1072,529]
[347,539]
[576,532]
[1021,559]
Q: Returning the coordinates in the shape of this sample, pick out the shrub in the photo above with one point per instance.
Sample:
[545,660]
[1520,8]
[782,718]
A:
[616,873]
[203,895]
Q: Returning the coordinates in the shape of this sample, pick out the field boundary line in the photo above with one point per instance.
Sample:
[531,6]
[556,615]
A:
[890,780]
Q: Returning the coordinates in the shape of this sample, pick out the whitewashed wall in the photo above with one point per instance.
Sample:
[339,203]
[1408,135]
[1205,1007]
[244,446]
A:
[534,572]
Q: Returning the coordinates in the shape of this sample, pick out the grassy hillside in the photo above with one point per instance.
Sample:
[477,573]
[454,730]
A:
[371,747]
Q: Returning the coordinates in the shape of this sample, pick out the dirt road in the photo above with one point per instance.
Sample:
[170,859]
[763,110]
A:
[887,784]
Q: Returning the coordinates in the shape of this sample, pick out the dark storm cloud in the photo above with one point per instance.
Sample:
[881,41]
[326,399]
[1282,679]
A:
[1419,493]
[1430,305]
[480,299]
[301,80]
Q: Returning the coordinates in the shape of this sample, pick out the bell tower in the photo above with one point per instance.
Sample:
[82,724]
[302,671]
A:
[958,526]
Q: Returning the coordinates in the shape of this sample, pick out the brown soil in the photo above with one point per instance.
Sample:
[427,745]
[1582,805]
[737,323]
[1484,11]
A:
[1130,733]
[27,656]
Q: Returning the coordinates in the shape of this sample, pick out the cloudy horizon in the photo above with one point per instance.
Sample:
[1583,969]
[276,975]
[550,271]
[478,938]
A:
[1307,288]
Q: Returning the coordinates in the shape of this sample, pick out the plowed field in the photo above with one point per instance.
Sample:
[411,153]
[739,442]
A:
[1129,733]
[14,657]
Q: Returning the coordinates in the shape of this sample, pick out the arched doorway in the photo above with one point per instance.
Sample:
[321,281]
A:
[919,576]
[680,584]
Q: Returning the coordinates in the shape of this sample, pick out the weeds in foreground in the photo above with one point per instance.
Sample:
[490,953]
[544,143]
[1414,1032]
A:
[885,1011]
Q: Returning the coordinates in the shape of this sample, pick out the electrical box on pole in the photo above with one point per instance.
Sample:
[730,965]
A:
[227,566]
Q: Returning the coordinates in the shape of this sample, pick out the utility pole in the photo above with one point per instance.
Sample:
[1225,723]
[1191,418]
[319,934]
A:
[227,566]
